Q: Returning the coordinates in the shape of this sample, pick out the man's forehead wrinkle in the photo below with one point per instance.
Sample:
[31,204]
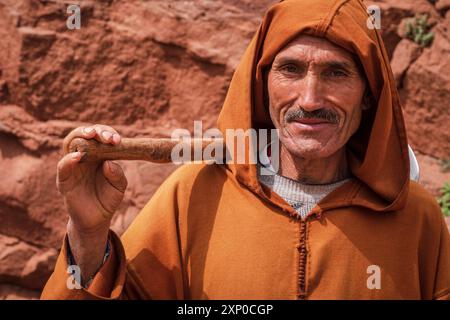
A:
[305,46]
[319,60]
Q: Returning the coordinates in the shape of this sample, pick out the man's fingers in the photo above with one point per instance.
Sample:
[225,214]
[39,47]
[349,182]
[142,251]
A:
[79,132]
[102,133]
[64,170]
[106,134]
[114,175]
[111,185]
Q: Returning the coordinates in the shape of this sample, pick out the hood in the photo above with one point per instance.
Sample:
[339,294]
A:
[378,151]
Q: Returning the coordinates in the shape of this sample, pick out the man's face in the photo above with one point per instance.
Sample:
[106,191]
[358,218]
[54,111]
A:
[315,93]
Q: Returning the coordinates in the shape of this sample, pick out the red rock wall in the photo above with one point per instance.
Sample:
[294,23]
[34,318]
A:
[145,68]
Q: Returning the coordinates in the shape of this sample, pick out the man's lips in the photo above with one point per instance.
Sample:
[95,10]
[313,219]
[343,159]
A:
[311,121]
[312,124]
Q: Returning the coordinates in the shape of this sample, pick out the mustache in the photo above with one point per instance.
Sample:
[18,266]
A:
[325,114]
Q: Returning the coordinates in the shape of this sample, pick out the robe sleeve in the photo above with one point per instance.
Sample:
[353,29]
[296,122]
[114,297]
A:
[442,283]
[110,282]
[145,263]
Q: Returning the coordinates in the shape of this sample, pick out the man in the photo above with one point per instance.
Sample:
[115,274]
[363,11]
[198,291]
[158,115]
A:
[339,220]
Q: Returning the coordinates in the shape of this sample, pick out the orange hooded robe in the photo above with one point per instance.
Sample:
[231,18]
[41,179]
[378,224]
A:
[214,232]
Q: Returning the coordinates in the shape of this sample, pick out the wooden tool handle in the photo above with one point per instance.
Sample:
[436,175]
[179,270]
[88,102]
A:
[157,150]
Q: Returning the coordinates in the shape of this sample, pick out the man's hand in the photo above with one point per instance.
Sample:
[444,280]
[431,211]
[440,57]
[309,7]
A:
[92,192]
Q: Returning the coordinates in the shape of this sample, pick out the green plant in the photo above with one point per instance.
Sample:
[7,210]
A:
[418,30]
[444,200]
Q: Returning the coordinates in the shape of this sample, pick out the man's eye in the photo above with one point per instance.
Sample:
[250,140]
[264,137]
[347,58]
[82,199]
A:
[290,68]
[337,73]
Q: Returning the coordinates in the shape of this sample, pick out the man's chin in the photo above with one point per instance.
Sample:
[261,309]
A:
[308,154]
[308,149]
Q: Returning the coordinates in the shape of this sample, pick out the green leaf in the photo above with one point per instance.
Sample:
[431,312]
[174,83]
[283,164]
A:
[444,200]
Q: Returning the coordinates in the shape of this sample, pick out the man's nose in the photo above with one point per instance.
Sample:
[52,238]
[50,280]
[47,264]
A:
[310,93]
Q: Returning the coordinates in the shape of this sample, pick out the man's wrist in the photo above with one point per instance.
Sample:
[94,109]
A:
[90,234]
[71,261]
[87,251]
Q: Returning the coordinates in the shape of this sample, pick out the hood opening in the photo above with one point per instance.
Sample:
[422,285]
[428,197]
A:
[378,151]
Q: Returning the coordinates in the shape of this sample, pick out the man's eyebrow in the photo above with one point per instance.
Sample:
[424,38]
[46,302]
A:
[338,64]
